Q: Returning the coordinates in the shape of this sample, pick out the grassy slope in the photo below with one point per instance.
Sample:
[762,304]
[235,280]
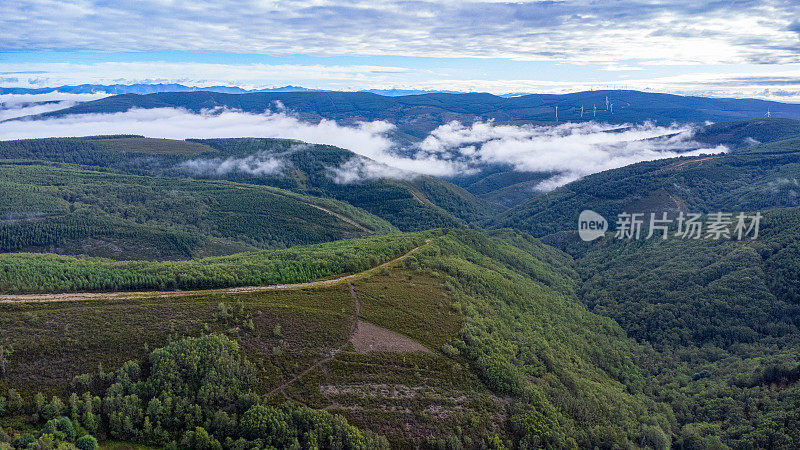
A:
[71,210]
[514,352]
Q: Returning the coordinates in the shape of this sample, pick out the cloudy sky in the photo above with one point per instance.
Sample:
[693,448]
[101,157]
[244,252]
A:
[736,48]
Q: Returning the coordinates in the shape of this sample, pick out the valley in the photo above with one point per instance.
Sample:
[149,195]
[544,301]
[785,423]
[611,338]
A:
[164,292]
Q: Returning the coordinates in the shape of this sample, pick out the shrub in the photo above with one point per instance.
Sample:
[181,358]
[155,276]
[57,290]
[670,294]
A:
[87,442]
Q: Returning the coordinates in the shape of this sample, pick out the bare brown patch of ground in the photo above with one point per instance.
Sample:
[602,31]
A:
[372,338]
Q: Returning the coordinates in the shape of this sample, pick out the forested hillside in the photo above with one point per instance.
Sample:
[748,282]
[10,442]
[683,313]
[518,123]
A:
[720,321]
[413,203]
[120,322]
[748,179]
[515,359]
[712,361]
[71,210]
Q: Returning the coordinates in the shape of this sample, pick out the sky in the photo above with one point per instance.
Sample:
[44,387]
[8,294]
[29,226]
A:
[730,48]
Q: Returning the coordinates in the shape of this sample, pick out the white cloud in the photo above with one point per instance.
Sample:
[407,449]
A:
[20,105]
[357,169]
[581,30]
[368,138]
[568,151]
[261,164]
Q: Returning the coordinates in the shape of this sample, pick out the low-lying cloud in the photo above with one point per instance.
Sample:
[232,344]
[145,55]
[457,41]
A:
[358,169]
[566,152]
[21,105]
[260,164]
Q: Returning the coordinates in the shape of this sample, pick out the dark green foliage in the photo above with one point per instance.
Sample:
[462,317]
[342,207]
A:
[416,204]
[86,443]
[61,429]
[526,334]
[46,207]
[209,371]
[720,322]
[23,440]
[744,133]
[194,389]
[27,272]
[753,178]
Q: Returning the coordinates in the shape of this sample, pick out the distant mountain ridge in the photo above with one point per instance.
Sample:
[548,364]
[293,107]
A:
[144,88]
[417,115]
[153,88]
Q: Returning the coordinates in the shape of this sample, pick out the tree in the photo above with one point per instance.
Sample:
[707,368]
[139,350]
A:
[199,439]
[15,404]
[23,440]
[87,442]
[54,409]
[61,428]
[39,402]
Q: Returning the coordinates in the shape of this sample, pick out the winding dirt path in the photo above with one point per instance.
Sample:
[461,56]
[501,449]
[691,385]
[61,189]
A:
[84,296]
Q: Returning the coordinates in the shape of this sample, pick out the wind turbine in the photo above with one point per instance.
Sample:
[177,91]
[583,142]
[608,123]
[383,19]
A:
[594,114]
[581,111]
[612,108]
[606,103]
[768,114]
[556,113]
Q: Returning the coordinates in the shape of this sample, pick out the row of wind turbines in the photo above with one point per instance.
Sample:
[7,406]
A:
[610,108]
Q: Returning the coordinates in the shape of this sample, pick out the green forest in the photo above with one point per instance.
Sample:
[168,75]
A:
[45,273]
[474,317]
[418,203]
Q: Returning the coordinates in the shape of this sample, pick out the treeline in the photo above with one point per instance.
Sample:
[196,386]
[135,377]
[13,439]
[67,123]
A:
[195,393]
[42,273]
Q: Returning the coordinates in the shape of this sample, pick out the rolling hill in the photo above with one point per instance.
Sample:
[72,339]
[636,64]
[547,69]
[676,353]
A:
[71,210]
[484,341]
[415,203]
[235,293]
